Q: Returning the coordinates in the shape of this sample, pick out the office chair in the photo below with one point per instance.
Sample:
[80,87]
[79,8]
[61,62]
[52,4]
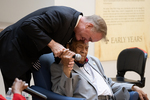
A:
[131,59]
[43,84]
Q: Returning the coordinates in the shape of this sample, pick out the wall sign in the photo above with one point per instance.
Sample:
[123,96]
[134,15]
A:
[128,23]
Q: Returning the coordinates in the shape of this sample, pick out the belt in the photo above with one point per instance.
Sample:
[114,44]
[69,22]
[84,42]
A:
[105,97]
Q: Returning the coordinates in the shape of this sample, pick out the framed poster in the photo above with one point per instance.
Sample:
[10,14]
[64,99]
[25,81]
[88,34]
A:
[128,23]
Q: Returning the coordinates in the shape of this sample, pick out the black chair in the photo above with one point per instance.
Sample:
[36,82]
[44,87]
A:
[131,59]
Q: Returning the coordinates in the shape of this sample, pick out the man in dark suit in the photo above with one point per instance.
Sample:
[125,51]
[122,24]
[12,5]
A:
[43,31]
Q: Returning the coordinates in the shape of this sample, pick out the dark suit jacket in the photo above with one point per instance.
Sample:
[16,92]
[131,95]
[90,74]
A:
[27,39]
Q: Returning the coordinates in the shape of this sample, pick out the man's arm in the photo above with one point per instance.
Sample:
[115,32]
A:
[56,48]
[61,84]
[67,61]
[61,74]
[42,29]
[39,31]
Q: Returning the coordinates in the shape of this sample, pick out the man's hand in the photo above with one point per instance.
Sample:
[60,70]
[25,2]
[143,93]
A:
[56,48]
[142,95]
[67,61]
[18,86]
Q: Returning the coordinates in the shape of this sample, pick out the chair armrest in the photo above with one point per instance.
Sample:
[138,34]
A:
[35,93]
[53,96]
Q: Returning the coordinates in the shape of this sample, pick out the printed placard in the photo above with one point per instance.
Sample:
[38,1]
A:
[128,23]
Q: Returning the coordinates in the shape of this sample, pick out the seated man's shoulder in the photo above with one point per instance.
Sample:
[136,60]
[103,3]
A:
[56,66]
[92,57]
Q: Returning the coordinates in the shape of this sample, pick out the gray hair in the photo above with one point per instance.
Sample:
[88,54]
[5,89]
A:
[99,24]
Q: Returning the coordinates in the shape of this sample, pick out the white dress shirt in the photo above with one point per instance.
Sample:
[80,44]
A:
[97,80]
[78,19]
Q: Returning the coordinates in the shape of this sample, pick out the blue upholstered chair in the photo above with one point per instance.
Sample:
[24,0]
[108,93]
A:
[43,84]
[42,80]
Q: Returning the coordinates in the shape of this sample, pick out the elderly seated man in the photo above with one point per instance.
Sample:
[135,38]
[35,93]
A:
[86,78]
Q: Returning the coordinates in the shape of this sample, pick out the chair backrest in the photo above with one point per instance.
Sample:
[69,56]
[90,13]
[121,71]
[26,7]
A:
[42,77]
[131,59]
[42,80]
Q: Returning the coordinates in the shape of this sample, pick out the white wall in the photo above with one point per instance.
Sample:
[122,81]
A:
[12,10]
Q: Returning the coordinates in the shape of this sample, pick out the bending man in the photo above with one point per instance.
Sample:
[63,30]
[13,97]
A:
[43,31]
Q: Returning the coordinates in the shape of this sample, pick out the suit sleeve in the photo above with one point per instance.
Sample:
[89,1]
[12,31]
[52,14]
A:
[41,28]
[61,84]
[18,97]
